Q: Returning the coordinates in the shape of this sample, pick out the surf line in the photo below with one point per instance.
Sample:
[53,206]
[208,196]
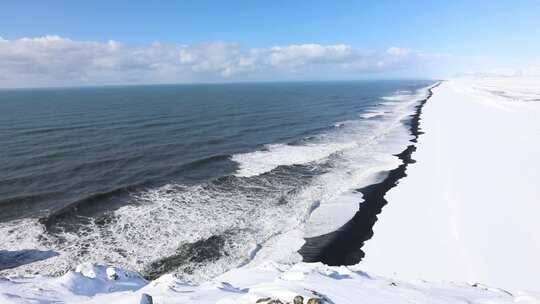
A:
[344,246]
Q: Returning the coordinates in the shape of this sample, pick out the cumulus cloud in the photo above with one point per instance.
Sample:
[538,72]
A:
[308,53]
[54,60]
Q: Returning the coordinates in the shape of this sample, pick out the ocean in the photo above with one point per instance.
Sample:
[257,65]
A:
[191,179]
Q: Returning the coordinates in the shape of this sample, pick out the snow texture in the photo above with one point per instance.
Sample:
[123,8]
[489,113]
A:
[468,209]
[90,284]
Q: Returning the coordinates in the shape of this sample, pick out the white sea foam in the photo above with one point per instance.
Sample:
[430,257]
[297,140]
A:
[371,114]
[349,135]
[258,162]
[164,219]
[353,168]
[399,97]
[258,219]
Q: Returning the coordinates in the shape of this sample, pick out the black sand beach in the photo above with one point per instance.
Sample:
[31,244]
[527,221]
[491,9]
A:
[343,246]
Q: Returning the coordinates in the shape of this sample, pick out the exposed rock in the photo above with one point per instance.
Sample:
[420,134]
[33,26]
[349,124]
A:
[146,299]
[112,274]
[314,301]
[189,256]
[298,300]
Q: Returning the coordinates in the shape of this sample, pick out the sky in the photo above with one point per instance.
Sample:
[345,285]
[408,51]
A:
[57,43]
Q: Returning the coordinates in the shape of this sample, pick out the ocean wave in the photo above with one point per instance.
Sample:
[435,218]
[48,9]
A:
[345,135]
[275,155]
[161,222]
[199,231]
[372,114]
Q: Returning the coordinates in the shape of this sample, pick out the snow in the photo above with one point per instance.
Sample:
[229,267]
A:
[467,212]
[332,215]
[85,283]
[468,209]
[249,284]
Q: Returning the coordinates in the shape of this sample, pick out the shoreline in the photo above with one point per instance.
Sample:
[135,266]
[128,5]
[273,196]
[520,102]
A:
[404,250]
[344,246]
[470,203]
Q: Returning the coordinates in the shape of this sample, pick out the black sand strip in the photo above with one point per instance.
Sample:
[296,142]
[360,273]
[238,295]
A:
[343,246]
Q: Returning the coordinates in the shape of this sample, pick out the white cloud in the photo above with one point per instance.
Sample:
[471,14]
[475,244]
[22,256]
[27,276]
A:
[308,53]
[398,51]
[54,60]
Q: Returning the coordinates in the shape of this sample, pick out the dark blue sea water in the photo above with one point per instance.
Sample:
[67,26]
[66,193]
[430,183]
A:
[145,176]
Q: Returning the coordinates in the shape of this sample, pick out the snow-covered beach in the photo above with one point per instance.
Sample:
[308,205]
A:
[464,219]
[468,209]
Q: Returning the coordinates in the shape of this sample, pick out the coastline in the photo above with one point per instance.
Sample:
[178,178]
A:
[468,209]
[344,246]
[270,281]
[369,140]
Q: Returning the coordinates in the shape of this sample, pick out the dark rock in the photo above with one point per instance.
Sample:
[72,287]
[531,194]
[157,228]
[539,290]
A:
[111,274]
[298,300]
[146,299]
[314,301]
[188,256]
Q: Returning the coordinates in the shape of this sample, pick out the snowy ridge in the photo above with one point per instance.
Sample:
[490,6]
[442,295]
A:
[516,89]
[340,285]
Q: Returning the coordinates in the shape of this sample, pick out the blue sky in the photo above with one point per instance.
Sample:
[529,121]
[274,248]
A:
[483,32]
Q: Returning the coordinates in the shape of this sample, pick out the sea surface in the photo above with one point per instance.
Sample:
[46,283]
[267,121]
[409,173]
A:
[190,179]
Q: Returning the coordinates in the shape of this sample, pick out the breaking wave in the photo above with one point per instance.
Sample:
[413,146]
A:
[199,231]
